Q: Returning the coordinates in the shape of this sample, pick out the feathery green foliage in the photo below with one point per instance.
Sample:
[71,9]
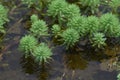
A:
[90,3]
[78,23]
[70,37]
[70,11]
[93,4]
[27,44]
[92,25]
[42,53]
[98,40]
[56,7]
[39,28]
[114,4]
[110,25]
[34,18]
[3,17]
[56,30]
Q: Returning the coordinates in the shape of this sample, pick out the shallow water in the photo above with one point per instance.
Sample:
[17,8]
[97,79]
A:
[84,65]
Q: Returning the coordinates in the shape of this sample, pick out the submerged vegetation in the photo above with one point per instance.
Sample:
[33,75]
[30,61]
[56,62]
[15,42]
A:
[70,26]
[75,26]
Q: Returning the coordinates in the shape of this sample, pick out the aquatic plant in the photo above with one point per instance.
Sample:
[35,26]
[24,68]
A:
[34,18]
[92,25]
[70,11]
[93,4]
[109,24]
[39,28]
[98,40]
[3,17]
[78,23]
[42,53]
[27,44]
[56,7]
[114,4]
[70,37]
[56,30]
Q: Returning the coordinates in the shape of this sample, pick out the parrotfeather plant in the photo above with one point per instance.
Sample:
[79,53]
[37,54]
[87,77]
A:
[78,23]
[70,11]
[34,18]
[39,28]
[27,44]
[42,53]
[93,4]
[56,30]
[98,40]
[110,25]
[56,7]
[114,4]
[70,37]
[92,25]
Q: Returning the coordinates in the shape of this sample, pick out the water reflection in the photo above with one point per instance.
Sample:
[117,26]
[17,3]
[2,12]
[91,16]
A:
[74,61]
[43,72]
[29,66]
[90,55]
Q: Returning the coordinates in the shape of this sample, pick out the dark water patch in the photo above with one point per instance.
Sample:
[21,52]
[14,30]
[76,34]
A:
[104,75]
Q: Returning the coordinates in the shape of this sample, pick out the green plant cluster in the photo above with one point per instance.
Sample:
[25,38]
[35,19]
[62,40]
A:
[70,37]
[56,30]
[114,4]
[34,18]
[70,26]
[42,53]
[29,44]
[3,18]
[37,4]
[110,25]
[92,25]
[98,40]
[63,10]
[78,23]
[92,4]
[39,27]
[56,7]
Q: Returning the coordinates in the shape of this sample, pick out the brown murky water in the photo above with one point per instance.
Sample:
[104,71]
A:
[77,65]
